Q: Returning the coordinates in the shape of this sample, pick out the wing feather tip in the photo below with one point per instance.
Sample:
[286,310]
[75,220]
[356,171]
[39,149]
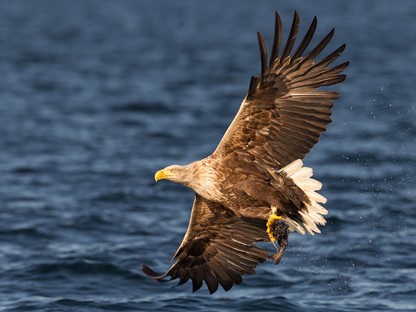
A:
[263,52]
[277,37]
[196,284]
[254,81]
[152,274]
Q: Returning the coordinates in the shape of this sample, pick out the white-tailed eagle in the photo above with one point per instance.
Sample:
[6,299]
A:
[254,186]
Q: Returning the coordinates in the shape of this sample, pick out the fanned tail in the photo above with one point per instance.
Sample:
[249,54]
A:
[313,215]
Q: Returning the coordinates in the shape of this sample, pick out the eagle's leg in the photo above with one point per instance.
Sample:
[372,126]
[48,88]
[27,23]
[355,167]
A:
[278,230]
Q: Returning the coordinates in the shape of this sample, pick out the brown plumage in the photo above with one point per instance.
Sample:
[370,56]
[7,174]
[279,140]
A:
[256,171]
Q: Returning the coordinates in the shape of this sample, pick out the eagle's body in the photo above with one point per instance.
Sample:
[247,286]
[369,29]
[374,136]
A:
[254,187]
[250,190]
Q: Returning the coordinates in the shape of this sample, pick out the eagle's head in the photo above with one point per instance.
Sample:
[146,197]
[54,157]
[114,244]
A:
[174,173]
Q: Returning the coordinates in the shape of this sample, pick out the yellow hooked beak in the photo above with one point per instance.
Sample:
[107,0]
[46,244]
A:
[163,174]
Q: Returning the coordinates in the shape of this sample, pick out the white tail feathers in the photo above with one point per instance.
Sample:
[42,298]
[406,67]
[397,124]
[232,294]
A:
[314,213]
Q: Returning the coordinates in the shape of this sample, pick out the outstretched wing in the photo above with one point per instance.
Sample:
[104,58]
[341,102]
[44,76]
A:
[218,248]
[283,114]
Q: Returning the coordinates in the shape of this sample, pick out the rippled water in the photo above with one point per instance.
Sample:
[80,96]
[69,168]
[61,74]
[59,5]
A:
[96,96]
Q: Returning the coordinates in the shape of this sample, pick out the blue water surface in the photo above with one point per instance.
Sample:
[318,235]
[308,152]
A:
[95,96]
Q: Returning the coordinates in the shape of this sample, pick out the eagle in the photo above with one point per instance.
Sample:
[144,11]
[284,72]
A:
[253,187]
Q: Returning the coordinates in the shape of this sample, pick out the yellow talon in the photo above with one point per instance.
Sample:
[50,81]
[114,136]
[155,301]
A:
[273,217]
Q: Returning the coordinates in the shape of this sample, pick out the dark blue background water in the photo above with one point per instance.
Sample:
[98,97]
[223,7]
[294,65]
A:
[95,96]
